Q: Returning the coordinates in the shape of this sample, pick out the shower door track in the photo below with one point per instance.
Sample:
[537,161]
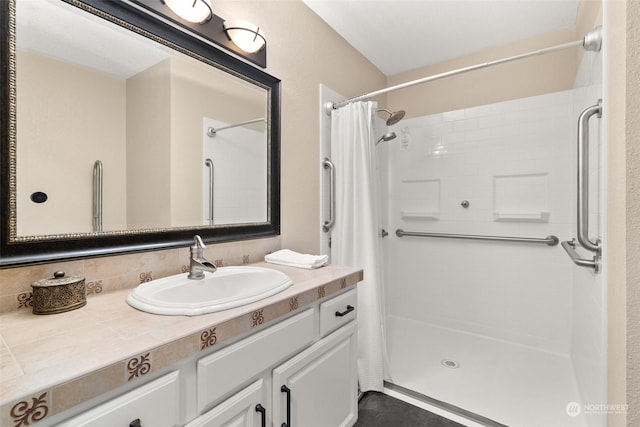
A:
[549,240]
[456,410]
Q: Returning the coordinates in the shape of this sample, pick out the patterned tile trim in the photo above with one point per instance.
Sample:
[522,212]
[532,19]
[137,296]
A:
[27,411]
[257,318]
[25,300]
[146,276]
[94,287]
[208,338]
[138,366]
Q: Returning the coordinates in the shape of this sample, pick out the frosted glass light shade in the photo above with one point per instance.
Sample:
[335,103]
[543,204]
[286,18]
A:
[245,35]
[197,11]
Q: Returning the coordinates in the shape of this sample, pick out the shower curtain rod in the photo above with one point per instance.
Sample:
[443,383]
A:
[592,41]
[212,131]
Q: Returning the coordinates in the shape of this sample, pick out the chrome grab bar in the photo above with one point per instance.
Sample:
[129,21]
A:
[549,240]
[583,177]
[327,164]
[97,196]
[583,195]
[570,247]
[209,164]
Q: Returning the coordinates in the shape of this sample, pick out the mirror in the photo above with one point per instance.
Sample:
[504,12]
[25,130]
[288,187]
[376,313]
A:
[123,133]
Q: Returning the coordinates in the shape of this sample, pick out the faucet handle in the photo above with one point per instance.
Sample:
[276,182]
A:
[198,242]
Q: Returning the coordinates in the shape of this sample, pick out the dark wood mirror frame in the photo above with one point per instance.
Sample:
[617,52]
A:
[14,252]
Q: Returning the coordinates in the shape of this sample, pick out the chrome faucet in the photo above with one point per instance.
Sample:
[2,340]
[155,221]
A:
[197,263]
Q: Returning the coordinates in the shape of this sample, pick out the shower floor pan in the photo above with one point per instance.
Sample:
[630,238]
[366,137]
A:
[501,381]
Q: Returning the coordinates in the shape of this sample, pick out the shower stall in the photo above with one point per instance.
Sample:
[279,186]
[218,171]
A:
[487,318]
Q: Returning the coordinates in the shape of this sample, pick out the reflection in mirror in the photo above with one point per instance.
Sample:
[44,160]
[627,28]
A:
[113,132]
[237,154]
[90,91]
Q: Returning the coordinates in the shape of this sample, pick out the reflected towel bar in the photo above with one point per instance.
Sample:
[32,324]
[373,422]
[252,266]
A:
[97,195]
[211,131]
[209,163]
[549,240]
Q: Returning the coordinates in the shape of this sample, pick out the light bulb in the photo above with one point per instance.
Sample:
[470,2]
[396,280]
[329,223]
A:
[245,35]
[197,11]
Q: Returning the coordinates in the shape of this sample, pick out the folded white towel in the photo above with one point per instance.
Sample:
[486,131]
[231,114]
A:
[294,259]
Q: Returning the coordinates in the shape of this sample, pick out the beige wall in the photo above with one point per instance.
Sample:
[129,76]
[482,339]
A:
[303,52]
[624,208]
[633,210]
[148,147]
[53,121]
[527,77]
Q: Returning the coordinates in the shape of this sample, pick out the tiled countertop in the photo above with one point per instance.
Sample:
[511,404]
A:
[59,361]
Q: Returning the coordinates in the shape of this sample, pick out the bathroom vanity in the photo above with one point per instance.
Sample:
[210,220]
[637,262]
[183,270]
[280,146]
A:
[287,360]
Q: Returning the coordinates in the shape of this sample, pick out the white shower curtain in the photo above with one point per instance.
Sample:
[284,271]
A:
[354,240]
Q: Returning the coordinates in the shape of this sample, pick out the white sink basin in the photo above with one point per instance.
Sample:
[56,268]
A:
[228,287]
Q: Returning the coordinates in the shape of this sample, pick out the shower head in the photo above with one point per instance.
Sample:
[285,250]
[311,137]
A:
[386,137]
[394,116]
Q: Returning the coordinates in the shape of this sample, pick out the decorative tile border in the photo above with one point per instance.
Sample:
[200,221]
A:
[29,410]
[25,300]
[257,318]
[208,338]
[94,287]
[138,366]
[146,276]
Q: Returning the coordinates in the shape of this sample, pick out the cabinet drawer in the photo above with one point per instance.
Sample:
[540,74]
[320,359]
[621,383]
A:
[337,312]
[227,369]
[155,404]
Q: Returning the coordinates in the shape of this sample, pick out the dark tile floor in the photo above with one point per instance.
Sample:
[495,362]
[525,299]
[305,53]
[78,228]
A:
[379,410]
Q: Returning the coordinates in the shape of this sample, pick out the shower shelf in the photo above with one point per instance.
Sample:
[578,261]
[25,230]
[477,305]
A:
[434,216]
[534,216]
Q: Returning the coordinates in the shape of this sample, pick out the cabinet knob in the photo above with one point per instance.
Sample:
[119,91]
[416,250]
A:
[135,423]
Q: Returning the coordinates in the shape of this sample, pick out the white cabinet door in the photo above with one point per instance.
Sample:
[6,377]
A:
[321,383]
[244,409]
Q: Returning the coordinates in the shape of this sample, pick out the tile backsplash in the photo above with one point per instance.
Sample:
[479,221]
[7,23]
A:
[105,274]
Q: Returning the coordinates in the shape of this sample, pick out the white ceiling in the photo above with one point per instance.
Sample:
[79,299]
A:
[402,35]
[62,31]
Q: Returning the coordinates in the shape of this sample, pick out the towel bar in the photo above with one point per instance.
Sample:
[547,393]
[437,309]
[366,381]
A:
[549,240]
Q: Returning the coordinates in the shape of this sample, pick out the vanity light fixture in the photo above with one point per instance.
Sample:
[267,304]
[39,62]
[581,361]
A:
[196,11]
[245,35]
[197,18]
